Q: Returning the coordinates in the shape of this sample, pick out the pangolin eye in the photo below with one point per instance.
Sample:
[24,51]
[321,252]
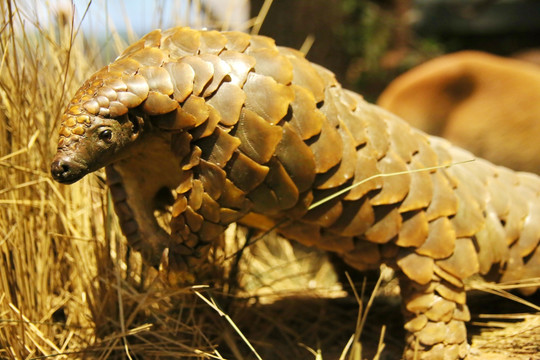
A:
[105,135]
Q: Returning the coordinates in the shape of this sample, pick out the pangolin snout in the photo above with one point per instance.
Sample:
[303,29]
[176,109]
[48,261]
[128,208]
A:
[65,170]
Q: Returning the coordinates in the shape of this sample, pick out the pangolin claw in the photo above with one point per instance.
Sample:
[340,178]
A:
[173,270]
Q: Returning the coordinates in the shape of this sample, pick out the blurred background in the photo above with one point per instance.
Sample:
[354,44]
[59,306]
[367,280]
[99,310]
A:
[366,43]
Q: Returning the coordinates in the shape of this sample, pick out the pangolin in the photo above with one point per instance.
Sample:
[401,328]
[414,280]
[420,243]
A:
[225,127]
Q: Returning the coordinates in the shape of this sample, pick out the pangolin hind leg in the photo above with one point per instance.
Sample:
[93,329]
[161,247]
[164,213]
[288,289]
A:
[435,314]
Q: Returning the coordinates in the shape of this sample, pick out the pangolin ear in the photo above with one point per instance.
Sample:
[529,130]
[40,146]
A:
[137,124]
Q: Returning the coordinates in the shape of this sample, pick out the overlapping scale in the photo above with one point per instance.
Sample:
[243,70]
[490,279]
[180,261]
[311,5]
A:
[386,226]
[196,109]
[203,70]
[469,218]
[264,200]
[245,173]
[92,106]
[284,188]
[258,138]
[117,109]
[421,189]
[181,41]
[446,276]
[149,56]
[219,147]
[306,119]
[158,79]
[396,187]
[115,82]
[304,74]
[261,42]
[327,148]
[296,158]
[212,42]
[444,201]
[463,262]
[207,127]
[182,77]
[365,173]
[345,169]
[158,104]
[376,132]
[326,214]
[491,243]
[399,132]
[353,121]
[236,41]
[357,218]
[529,237]
[209,207]
[270,62]
[129,99]
[267,98]
[228,101]
[221,71]
[440,241]
[127,66]
[232,196]
[241,65]
[212,178]
[416,267]
[192,159]
[193,219]
[414,231]
[107,92]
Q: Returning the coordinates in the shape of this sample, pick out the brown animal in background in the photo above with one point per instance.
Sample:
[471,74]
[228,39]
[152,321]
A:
[486,104]
[228,127]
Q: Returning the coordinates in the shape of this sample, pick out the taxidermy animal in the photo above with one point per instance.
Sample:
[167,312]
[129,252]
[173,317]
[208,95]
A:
[225,127]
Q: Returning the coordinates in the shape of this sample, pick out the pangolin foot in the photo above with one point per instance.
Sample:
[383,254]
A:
[173,269]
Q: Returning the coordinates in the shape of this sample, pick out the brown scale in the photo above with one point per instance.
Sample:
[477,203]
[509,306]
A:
[270,62]
[258,138]
[271,104]
[238,129]
[326,149]
[241,65]
[306,119]
[221,71]
[421,190]
[344,170]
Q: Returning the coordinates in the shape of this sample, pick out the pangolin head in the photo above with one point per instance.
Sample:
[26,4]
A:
[98,124]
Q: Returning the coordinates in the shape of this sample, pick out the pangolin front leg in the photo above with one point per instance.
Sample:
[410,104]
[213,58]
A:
[238,129]
[143,233]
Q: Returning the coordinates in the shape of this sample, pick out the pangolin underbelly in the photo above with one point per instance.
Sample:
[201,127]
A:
[226,127]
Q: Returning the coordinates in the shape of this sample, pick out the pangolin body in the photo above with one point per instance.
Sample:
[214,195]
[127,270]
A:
[225,127]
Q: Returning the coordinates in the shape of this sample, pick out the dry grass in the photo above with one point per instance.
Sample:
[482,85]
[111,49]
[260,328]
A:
[68,283]
[69,286]
[71,289]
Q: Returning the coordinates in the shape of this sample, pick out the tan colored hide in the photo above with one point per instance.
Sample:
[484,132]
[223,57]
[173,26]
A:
[486,104]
